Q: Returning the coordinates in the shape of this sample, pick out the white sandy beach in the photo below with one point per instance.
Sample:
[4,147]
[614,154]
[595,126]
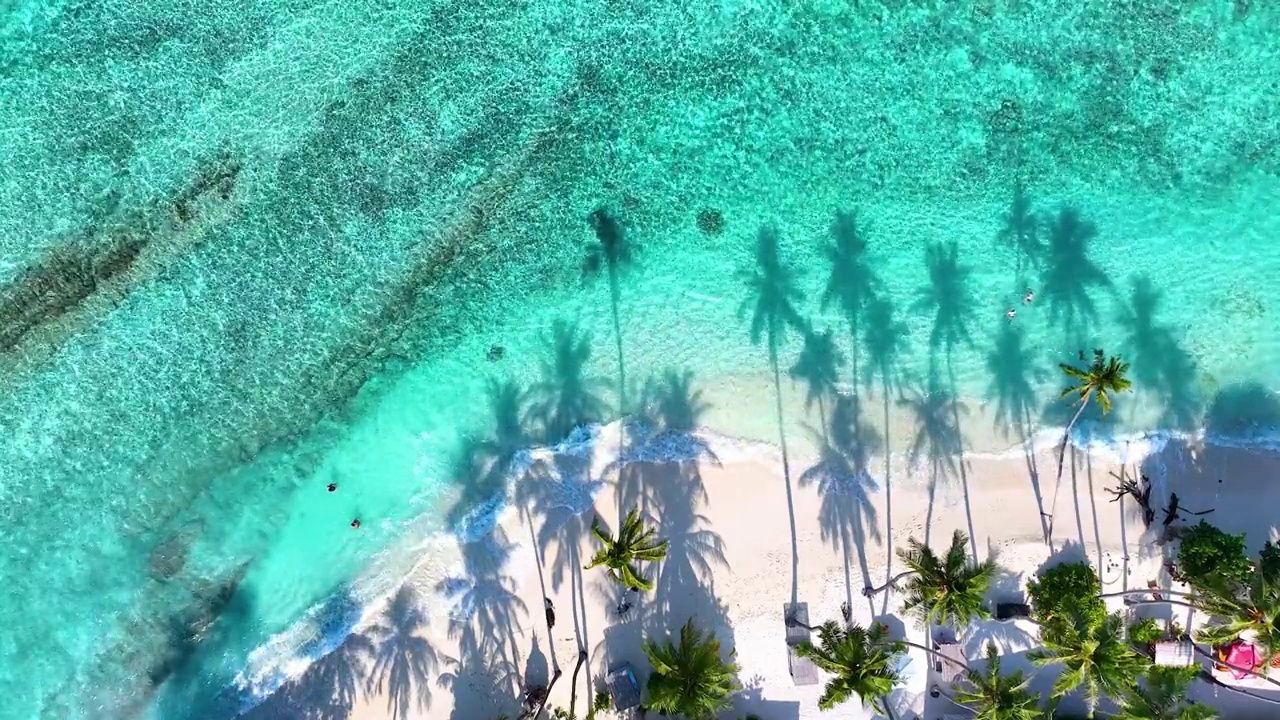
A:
[730,568]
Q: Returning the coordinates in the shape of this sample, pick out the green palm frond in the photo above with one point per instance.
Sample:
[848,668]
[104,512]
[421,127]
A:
[1256,609]
[993,696]
[863,661]
[689,678]
[1095,658]
[950,591]
[635,543]
[1162,695]
[1102,379]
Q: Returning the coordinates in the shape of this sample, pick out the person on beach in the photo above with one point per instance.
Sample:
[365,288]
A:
[551,612]
[1026,300]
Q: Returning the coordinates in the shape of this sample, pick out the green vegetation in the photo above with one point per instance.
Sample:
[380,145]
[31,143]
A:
[690,679]
[863,662]
[1094,656]
[1212,559]
[1066,593]
[1162,695]
[948,590]
[635,544]
[601,702]
[1144,632]
[993,696]
[1102,379]
[1254,608]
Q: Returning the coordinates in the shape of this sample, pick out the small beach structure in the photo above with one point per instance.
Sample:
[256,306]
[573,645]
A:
[948,664]
[1175,653]
[796,618]
[623,688]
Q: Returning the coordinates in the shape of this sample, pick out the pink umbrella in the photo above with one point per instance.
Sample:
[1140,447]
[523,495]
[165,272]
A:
[1243,655]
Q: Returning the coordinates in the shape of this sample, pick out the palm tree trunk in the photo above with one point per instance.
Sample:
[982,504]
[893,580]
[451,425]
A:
[533,712]
[869,591]
[786,470]
[935,653]
[1062,454]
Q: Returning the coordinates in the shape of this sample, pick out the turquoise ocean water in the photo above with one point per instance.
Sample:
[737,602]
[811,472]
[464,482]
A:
[249,249]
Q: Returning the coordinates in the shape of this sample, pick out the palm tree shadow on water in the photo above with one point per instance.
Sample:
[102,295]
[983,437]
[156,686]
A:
[1160,365]
[846,486]
[885,343]
[1021,232]
[818,367]
[948,297]
[1013,373]
[852,284]
[612,253]
[1069,275]
[772,298]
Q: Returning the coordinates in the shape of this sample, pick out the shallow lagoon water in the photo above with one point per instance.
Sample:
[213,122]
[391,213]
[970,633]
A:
[251,250]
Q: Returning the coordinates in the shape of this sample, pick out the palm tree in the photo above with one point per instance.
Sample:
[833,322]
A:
[946,591]
[690,679]
[863,661]
[1095,656]
[1255,610]
[1104,378]
[635,543]
[993,696]
[1163,696]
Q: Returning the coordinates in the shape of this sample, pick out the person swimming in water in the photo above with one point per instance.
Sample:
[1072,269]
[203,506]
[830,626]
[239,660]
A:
[1011,314]
[333,487]
[1028,297]
[355,524]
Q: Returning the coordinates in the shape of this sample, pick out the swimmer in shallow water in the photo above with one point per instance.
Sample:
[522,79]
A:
[333,487]
[355,524]
[1011,314]
[1029,297]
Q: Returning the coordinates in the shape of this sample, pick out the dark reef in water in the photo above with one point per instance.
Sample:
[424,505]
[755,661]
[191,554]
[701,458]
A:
[102,259]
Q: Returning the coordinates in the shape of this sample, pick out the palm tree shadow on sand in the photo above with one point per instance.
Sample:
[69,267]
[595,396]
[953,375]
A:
[772,298]
[403,660]
[1014,375]
[885,343]
[936,440]
[846,487]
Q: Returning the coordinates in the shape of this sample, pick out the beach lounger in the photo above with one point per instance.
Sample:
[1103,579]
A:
[623,688]
[796,617]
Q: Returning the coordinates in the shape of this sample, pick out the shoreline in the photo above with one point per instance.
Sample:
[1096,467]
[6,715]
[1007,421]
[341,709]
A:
[998,484]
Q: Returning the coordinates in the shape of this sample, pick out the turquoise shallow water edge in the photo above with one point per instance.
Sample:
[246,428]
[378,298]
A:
[248,249]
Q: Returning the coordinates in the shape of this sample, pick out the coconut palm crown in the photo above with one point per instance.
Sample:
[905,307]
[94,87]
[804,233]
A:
[993,696]
[635,543]
[948,590]
[689,678]
[1255,609]
[1162,695]
[1095,656]
[1102,379]
[863,661]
